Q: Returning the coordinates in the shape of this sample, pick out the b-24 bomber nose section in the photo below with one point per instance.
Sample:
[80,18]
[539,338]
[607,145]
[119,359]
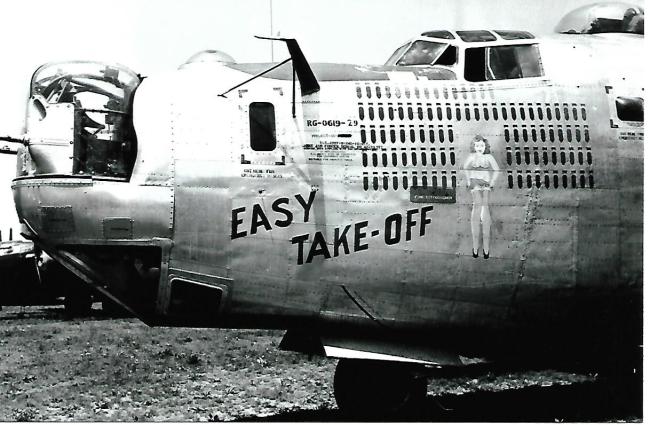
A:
[72,186]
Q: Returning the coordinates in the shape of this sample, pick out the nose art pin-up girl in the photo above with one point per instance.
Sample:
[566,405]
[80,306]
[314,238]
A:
[481,171]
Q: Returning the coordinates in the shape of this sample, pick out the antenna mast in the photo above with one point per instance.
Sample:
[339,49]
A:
[271,19]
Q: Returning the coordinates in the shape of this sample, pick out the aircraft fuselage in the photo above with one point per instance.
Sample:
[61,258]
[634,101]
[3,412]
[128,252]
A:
[371,207]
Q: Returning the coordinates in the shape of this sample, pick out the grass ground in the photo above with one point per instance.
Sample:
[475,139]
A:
[100,369]
[122,370]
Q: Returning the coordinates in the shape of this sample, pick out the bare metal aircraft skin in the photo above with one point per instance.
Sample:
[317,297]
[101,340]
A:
[484,205]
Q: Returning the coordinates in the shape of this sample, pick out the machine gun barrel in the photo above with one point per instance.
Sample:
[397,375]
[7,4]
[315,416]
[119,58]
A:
[7,149]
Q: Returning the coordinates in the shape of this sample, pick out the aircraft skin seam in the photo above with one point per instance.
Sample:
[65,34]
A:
[361,307]
[529,225]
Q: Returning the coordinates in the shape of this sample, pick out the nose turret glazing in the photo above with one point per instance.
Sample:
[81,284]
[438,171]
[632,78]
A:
[79,120]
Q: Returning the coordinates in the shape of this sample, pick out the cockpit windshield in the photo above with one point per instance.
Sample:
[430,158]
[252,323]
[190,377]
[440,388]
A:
[104,138]
[422,52]
[397,54]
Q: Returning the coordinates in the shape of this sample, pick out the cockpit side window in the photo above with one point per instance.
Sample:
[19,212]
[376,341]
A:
[448,57]
[502,62]
[475,68]
[629,108]
[422,53]
[262,126]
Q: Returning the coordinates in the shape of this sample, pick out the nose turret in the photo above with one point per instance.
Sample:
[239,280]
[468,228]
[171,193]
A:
[79,120]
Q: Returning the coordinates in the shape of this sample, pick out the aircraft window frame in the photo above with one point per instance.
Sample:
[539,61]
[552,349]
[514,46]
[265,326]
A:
[510,69]
[629,108]
[261,118]
[475,64]
[392,60]
[476,36]
[514,35]
[439,34]
[423,58]
[445,57]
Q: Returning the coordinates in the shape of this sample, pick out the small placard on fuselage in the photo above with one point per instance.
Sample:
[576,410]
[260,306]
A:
[439,195]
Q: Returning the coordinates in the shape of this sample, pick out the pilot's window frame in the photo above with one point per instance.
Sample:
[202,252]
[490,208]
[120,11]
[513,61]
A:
[262,126]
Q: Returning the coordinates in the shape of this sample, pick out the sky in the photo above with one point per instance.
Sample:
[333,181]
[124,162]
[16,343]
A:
[151,36]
